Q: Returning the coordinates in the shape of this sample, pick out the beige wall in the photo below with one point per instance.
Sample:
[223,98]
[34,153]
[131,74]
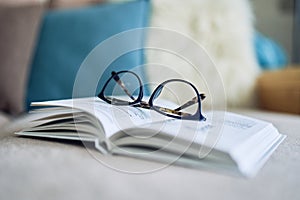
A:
[275,22]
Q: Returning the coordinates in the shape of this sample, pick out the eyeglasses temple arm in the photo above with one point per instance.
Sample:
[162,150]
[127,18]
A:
[167,110]
[190,102]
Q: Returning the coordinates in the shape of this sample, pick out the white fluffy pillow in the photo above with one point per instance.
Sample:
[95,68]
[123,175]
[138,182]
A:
[225,29]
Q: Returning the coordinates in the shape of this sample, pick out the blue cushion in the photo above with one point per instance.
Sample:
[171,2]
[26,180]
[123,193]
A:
[68,36]
[269,54]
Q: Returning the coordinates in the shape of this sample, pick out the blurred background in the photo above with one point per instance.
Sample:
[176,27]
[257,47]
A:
[277,19]
[272,35]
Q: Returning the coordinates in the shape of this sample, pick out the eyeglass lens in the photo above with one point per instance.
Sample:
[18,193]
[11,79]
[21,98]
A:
[122,88]
[177,99]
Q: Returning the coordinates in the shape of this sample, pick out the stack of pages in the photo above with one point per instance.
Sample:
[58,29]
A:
[224,142]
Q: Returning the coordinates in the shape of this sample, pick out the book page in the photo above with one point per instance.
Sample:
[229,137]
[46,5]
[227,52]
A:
[201,137]
[235,129]
[112,118]
[221,131]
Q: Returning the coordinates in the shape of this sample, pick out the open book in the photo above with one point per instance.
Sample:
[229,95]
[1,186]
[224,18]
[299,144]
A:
[225,141]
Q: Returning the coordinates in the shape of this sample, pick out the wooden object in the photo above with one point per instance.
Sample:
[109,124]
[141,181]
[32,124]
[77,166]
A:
[280,90]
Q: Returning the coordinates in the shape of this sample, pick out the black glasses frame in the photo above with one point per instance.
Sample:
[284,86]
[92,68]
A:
[138,102]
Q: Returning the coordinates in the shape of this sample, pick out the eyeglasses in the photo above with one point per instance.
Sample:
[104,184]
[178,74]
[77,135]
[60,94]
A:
[125,88]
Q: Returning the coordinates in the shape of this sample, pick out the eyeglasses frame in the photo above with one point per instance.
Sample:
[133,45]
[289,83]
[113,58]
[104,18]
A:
[138,102]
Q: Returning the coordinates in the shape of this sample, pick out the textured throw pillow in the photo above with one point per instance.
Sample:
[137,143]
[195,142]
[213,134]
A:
[224,28]
[18,29]
[68,36]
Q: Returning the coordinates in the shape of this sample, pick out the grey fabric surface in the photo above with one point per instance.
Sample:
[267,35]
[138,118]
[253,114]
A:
[4,118]
[43,169]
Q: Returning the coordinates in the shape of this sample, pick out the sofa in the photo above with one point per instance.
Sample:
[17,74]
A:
[33,168]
